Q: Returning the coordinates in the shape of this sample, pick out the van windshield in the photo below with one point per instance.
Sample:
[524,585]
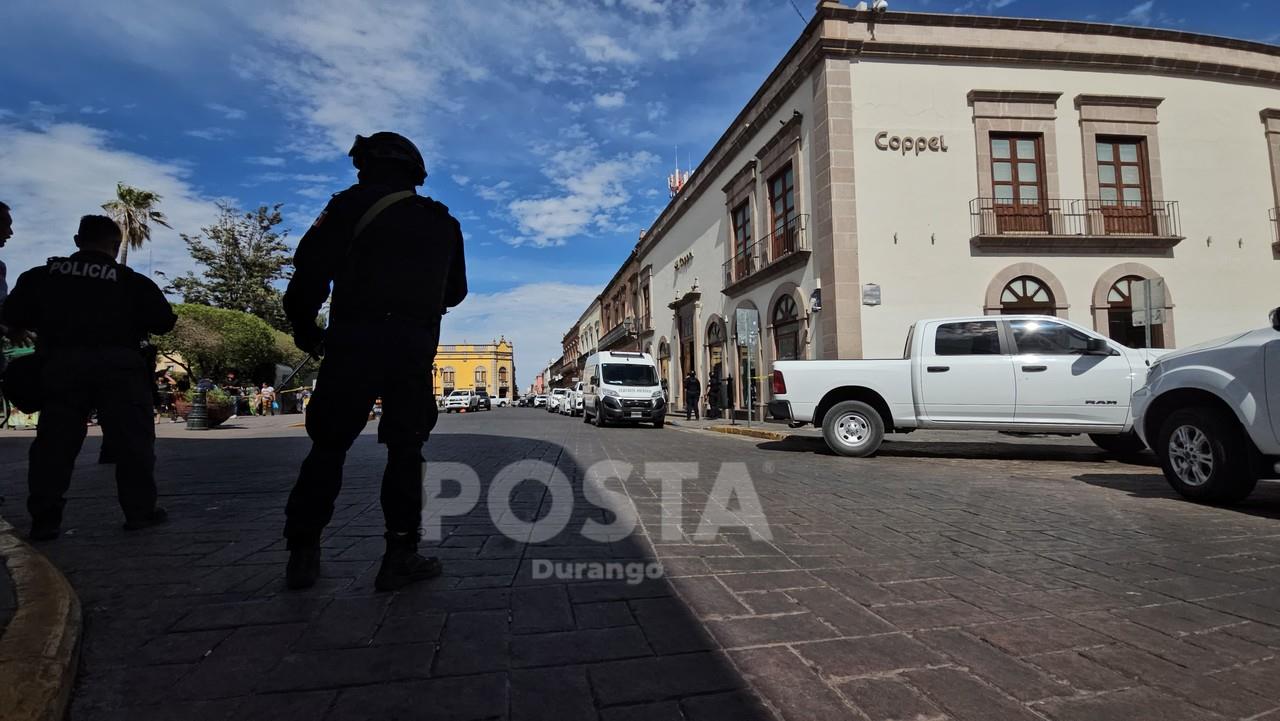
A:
[629,375]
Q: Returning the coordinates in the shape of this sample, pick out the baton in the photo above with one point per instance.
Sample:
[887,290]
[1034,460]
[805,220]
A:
[285,383]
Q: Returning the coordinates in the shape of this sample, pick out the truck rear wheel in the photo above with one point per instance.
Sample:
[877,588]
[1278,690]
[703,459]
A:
[853,428]
[1119,444]
[1205,456]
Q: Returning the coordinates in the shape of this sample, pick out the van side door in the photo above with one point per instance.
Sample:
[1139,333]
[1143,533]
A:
[965,373]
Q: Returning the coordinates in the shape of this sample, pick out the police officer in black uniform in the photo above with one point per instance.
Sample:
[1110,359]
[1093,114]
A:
[395,262]
[90,315]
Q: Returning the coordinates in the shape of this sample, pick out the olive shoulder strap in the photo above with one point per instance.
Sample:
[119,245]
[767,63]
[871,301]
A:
[376,209]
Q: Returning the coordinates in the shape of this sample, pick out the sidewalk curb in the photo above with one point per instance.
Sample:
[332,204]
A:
[40,648]
[739,431]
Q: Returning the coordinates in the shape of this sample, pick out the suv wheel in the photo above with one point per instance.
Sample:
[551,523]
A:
[1205,456]
[853,428]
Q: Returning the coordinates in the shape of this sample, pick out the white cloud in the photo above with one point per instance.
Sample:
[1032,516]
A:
[497,191]
[226,111]
[604,49]
[593,193]
[54,175]
[610,101]
[574,106]
[461,179]
[267,160]
[651,7]
[211,134]
[1139,14]
[534,317]
[656,110]
[92,110]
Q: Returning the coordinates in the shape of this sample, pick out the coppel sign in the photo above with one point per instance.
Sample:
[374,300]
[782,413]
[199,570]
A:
[908,144]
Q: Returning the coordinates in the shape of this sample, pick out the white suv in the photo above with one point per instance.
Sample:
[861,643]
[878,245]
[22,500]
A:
[459,401]
[1212,414]
[554,400]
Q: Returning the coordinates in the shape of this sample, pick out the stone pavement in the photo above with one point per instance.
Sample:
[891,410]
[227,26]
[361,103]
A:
[7,597]
[944,579]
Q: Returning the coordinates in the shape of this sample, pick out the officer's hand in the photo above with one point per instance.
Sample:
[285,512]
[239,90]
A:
[310,339]
[19,338]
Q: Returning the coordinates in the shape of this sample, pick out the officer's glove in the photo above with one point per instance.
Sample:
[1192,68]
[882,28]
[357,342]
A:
[310,339]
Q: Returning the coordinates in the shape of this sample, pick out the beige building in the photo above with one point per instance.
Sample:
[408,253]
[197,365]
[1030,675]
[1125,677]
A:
[899,166]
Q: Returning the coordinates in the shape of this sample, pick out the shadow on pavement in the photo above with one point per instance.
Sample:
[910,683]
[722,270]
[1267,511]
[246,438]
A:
[193,620]
[897,447]
[1264,502]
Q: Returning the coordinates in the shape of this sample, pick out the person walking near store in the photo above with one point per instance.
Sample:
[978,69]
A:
[692,396]
[90,314]
[713,393]
[395,262]
[268,399]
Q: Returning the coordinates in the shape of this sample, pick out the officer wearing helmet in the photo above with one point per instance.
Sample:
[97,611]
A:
[393,261]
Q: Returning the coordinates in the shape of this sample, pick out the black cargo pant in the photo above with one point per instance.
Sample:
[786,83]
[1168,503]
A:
[115,381]
[390,359]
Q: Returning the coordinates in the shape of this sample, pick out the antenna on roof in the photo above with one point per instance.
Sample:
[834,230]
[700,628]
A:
[676,180]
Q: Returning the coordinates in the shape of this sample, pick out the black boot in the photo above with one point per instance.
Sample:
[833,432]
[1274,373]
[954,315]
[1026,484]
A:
[304,565]
[403,565]
[157,516]
[44,530]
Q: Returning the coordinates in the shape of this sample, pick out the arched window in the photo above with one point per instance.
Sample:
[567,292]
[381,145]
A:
[786,328]
[1027,295]
[664,363]
[715,348]
[480,377]
[1120,316]
[502,376]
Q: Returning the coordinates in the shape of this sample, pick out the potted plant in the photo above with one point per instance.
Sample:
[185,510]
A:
[216,400]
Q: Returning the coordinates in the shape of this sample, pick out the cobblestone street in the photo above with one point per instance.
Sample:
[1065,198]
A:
[976,578]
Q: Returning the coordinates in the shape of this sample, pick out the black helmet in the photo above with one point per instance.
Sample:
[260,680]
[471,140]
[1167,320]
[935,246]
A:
[388,146]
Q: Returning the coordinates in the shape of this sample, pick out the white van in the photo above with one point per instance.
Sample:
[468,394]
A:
[622,387]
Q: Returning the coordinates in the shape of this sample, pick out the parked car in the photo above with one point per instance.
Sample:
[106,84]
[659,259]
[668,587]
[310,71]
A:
[1028,374]
[539,401]
[622,387]
[500,402]
[553,400]
[483,401]
[572,404]
[461,400]
[1211,413]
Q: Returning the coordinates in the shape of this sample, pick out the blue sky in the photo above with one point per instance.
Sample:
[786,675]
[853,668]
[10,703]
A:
[549,127]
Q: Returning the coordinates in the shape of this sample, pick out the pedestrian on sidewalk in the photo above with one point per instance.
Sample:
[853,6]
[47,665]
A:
[395,262]
[90,314]
[268,399]
[692,396]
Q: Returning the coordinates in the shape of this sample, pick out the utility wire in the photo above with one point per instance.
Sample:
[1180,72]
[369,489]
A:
[797,9]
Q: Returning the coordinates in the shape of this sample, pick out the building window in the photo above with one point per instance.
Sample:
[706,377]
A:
[1120,325]
[480,377]
[446,377]
[664,364]
[786,328]
[502,375]
[782,212]
[1027,295]
[1017,183]
[715,347]
[742,259]
[644,306]
[1123,189]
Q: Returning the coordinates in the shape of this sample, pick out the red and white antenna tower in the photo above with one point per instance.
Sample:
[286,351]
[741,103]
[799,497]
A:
[676,180]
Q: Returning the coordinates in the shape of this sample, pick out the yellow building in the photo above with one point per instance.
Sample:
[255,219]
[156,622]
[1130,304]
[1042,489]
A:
[488,366]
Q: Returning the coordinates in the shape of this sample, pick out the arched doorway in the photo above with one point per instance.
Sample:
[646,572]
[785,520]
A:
[715,346]
[1027,295]
[664,366]
[1120,325]
[786,328]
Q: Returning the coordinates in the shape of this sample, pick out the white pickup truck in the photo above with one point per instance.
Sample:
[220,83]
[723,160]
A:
[1212,414]
[1020,374]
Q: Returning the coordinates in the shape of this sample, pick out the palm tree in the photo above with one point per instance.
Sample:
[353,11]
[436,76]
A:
[134,210]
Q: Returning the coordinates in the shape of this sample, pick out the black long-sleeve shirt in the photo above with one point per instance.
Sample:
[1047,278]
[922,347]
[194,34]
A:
[87,300]
[408,262]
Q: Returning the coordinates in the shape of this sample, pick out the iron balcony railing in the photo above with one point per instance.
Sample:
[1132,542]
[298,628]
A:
[1082,217]
[785,241]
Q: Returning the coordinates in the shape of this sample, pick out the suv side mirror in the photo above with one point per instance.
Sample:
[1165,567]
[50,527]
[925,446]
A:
[1098,346]
[595,381]
[1275,318]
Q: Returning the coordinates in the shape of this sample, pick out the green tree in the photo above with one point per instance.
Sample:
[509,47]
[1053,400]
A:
[208,342]
[134,209]
[241,256]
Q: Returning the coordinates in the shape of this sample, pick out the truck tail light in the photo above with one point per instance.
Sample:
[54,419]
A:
[779,384]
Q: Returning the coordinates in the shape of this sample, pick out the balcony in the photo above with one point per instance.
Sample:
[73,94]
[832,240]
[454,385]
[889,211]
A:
[1084,226]
[783,249]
